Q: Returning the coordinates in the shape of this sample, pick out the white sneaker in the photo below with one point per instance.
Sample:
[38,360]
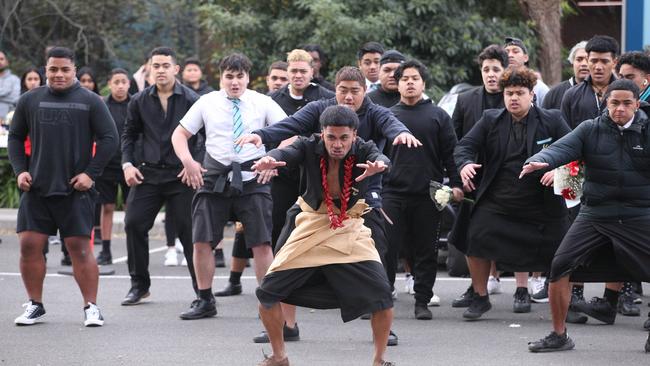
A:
[178,245]
[535,285]
[171,258]
[410,282]
[33,314]
[184,262]
[435,301]
[92,316]
[394,294]
[493,285]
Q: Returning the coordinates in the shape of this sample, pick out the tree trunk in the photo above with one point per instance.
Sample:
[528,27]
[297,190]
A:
[546,17]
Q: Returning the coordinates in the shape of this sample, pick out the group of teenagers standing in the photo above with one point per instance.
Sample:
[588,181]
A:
[332,187]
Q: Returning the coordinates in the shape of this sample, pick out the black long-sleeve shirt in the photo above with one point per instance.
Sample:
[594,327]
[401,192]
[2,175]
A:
[414,168]
[306,152]
[146,116]
[118,112]
[62,126]
[553,99]
[376,124]
[384,98]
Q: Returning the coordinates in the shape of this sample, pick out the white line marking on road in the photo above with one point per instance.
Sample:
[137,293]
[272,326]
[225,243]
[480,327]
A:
[125,258]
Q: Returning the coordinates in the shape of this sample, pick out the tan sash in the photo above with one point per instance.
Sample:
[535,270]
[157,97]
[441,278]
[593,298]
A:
[313,243]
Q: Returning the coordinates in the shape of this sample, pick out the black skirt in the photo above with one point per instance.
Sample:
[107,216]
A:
[517,243]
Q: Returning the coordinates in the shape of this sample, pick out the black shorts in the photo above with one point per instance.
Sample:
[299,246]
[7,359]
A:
[107,189]
[211,212]
[239,249]
[72,215]
[604,252]
[355,288]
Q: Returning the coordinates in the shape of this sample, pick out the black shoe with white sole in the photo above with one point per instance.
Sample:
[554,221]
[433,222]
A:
[552,343]
[34,313]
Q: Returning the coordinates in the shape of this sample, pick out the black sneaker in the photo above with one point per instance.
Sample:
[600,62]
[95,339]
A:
[626,306]
[599,309]
[104,258]
[480,305]
[34,313]
[66,261]
[542,295]
[552,343]
[392,339]
[422,312]
[522,301]
[289,335]
[465,300]
[200,308]
[572,315]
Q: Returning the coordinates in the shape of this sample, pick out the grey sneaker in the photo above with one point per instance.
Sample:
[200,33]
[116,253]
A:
[552,343]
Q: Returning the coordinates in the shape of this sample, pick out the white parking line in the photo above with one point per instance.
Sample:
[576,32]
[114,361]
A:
[154,250]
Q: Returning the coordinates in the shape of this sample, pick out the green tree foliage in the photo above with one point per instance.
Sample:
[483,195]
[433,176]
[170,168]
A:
[446,35]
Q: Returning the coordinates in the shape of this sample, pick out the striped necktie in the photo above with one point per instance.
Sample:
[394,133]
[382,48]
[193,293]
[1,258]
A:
[237,124]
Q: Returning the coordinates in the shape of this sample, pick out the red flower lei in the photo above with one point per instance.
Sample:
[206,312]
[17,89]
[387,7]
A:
[336,221]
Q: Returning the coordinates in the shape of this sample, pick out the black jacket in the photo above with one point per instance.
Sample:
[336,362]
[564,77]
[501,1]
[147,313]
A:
[489,137]
[384,98]
[617,166]
[376,124]
[553,99]
[579,103]
[62,126]
[306,152]
[203,88]
[469,109]
[414,168]
[290,105]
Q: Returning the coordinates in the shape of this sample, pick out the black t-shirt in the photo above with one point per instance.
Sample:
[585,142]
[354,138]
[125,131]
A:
[62,126]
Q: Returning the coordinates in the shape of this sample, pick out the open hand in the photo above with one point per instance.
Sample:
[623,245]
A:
[531,167]
[267,163]
[371,168]
[407,139]
[250,138]
[192,174]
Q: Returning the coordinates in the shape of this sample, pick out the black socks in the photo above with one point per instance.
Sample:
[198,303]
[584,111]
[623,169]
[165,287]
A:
[235,277]
[206,294]
[106,246]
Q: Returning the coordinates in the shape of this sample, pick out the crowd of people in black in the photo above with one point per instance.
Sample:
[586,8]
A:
[329,183]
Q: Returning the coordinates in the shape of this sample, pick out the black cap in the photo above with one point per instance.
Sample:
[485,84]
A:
[512,41]
[391,56]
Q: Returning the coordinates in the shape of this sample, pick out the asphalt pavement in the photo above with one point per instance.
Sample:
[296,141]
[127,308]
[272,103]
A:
[153,334]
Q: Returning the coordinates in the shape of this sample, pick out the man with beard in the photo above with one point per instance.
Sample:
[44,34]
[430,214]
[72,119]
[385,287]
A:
[536,218]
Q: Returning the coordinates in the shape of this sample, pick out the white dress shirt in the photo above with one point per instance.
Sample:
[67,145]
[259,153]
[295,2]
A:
[214,111]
